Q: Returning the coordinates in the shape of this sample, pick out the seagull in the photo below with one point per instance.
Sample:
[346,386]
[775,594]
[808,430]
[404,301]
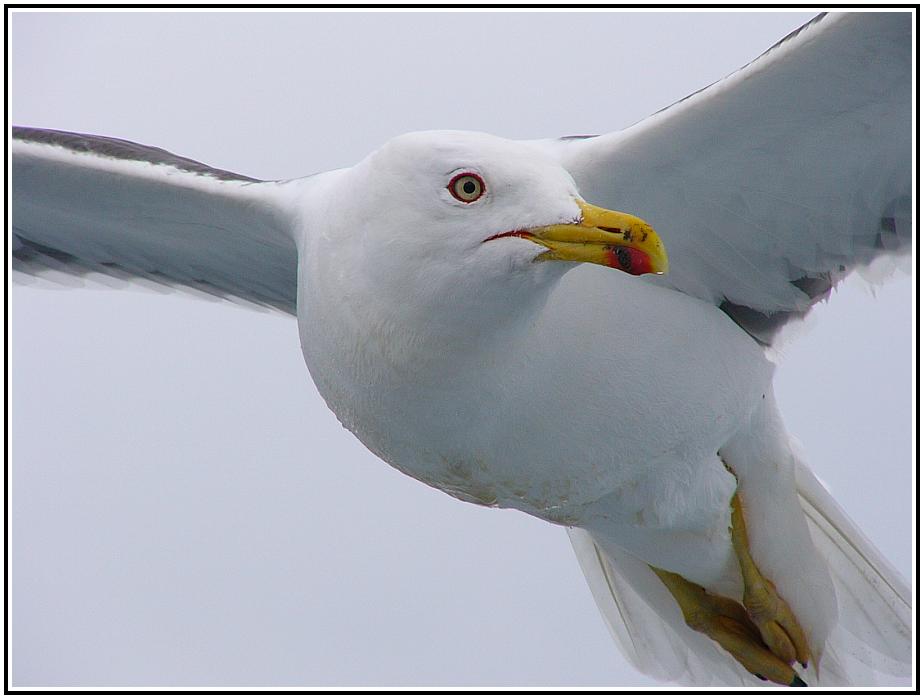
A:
[581,329]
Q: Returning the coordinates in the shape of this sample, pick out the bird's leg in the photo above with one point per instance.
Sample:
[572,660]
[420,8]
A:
[727,623]
[779,628]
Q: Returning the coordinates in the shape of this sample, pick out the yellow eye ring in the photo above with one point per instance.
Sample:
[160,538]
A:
[467,187]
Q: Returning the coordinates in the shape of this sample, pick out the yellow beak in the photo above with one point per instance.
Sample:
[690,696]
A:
[603,237]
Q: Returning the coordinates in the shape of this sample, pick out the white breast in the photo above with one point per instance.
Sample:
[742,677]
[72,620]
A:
[612,382]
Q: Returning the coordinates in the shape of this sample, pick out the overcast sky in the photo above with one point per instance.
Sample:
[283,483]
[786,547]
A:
[186,511]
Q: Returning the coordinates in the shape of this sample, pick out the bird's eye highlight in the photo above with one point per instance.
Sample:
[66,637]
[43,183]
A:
[466,187]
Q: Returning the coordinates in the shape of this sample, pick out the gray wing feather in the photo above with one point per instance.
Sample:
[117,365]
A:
[772,184]
[91,203]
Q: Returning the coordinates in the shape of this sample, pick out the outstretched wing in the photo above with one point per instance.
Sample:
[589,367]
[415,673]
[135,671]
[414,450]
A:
[770,185]
[92,203]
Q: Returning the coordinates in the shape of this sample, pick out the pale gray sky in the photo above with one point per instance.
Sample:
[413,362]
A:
[186,511]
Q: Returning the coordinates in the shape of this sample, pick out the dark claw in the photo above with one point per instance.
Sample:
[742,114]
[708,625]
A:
[797,682]
[804,666]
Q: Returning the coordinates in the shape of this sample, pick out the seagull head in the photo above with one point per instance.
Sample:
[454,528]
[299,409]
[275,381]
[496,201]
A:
[449,219]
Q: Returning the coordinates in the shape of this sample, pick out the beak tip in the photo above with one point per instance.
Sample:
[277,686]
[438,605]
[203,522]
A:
[609,238]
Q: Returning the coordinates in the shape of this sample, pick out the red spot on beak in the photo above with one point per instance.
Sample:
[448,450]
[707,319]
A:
[628,260]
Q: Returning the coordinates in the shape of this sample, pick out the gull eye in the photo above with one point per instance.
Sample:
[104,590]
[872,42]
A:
[466,187]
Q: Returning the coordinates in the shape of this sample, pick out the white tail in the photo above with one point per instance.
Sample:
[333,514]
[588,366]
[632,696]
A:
[870,645]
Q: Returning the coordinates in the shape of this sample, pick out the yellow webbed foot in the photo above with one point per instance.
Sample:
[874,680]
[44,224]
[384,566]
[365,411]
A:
[729,624]
[779,628]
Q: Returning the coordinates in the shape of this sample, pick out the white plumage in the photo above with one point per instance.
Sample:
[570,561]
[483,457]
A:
[569,397]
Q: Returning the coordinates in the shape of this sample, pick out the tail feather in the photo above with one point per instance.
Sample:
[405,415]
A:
[874,603]
[647,624]
[869,646]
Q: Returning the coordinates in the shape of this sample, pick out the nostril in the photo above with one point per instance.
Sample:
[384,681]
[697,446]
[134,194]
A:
[626,235]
